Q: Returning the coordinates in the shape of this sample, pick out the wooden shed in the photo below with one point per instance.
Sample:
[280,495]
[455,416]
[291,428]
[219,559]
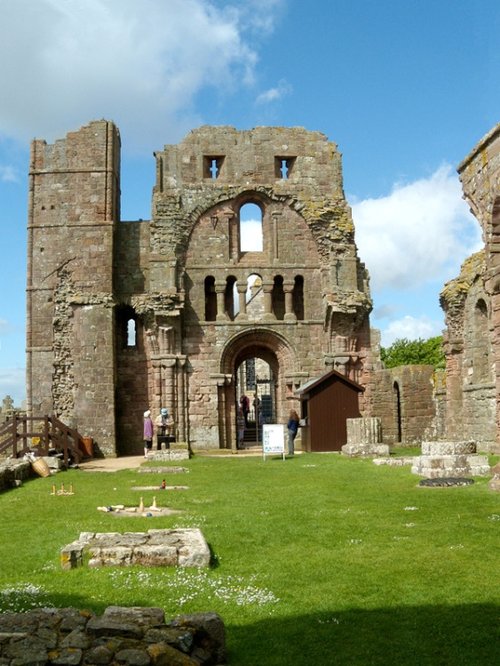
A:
[326,404]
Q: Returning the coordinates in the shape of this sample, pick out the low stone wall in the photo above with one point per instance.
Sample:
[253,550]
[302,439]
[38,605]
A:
[155,548]
[128,636]
[13,472]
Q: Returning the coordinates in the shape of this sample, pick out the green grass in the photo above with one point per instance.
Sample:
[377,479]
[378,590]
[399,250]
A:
[319,559]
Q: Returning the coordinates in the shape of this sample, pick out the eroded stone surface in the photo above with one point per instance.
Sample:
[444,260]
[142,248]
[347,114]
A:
[121,635]
[155,548]
[450,459]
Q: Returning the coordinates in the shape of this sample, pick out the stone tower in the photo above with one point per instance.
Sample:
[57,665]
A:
[185,311]
[73,212]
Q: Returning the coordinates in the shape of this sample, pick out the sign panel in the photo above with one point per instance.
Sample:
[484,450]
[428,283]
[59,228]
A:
[273,438]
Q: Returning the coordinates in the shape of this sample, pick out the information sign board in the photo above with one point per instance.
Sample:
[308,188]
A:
[273,439]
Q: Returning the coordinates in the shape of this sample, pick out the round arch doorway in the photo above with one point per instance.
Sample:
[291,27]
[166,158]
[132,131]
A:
[258,363]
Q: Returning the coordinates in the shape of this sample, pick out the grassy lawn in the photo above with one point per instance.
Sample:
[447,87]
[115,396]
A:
[317,560]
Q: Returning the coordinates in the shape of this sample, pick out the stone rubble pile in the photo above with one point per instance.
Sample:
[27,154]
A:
[132,636]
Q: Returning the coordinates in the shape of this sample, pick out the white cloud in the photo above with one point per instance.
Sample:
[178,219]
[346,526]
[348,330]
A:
[411,328]
[273,94]
[140,64]
[8,174]
[5,326]
[420,232]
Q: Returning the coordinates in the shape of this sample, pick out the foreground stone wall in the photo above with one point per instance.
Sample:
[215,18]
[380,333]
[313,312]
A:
[119,636]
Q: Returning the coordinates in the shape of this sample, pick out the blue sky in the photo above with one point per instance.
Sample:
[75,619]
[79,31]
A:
[405,88]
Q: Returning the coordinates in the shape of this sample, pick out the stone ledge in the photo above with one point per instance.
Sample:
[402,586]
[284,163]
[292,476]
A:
[155,548]
[121,635]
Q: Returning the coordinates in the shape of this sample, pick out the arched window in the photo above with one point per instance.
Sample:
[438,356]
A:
[251,234]
[298,297]
[254,296]
[481,345]
[127,327]
[397,413]
[210,299]
[229,297]
[131,333]
[278,298]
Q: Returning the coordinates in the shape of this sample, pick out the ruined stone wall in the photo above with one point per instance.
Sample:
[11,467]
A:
[472,308]
[128,316]
[404,402]
[308,243]
[73,207]
[470,384]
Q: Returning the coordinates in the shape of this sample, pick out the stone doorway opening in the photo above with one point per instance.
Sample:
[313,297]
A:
[258,362]
[255,387]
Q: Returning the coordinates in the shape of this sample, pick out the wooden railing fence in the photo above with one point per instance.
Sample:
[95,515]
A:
[40,435]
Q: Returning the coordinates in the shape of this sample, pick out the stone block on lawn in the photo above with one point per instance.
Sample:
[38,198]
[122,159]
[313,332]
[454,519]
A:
[155,548]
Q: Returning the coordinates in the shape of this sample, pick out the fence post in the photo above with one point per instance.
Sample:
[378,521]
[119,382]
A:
[14,435]
[24,436]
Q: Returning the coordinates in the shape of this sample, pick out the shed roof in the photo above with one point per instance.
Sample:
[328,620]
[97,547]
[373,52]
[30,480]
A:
[315,385]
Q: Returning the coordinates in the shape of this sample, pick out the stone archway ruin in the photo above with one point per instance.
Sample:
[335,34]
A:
[179,280]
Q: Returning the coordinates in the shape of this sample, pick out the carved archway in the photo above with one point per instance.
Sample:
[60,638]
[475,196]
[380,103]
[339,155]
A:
[257,343]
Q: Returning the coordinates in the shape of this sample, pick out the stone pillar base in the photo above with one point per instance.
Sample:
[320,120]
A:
[445,459]
[364,438]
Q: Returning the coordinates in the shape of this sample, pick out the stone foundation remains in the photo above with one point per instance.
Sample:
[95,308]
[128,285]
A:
[450,459]
[154,548]
[134,636]
[364,438]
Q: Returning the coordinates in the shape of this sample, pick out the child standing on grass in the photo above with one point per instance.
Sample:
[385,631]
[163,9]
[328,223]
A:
[148,432]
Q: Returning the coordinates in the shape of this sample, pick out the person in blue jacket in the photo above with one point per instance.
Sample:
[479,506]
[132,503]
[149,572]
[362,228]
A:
[293,428]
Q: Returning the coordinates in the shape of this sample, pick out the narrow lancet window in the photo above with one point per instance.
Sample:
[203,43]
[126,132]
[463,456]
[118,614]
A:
[251,233]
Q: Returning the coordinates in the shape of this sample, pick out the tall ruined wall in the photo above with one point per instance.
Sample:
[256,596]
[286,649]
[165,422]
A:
[73,208]
[128,316]
[294,177]
[472,308]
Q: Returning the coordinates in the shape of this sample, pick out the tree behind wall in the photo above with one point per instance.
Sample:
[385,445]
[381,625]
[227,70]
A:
[414,352]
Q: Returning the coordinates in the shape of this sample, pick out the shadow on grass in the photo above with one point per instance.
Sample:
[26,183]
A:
[423,635]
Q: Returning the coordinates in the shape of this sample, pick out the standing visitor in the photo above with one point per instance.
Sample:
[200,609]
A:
[240,423]
[245,407]
[148,432]
[293,428]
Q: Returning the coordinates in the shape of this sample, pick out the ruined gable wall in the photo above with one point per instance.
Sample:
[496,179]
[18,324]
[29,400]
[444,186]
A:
[308,231]
[73,207]
[473,336]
